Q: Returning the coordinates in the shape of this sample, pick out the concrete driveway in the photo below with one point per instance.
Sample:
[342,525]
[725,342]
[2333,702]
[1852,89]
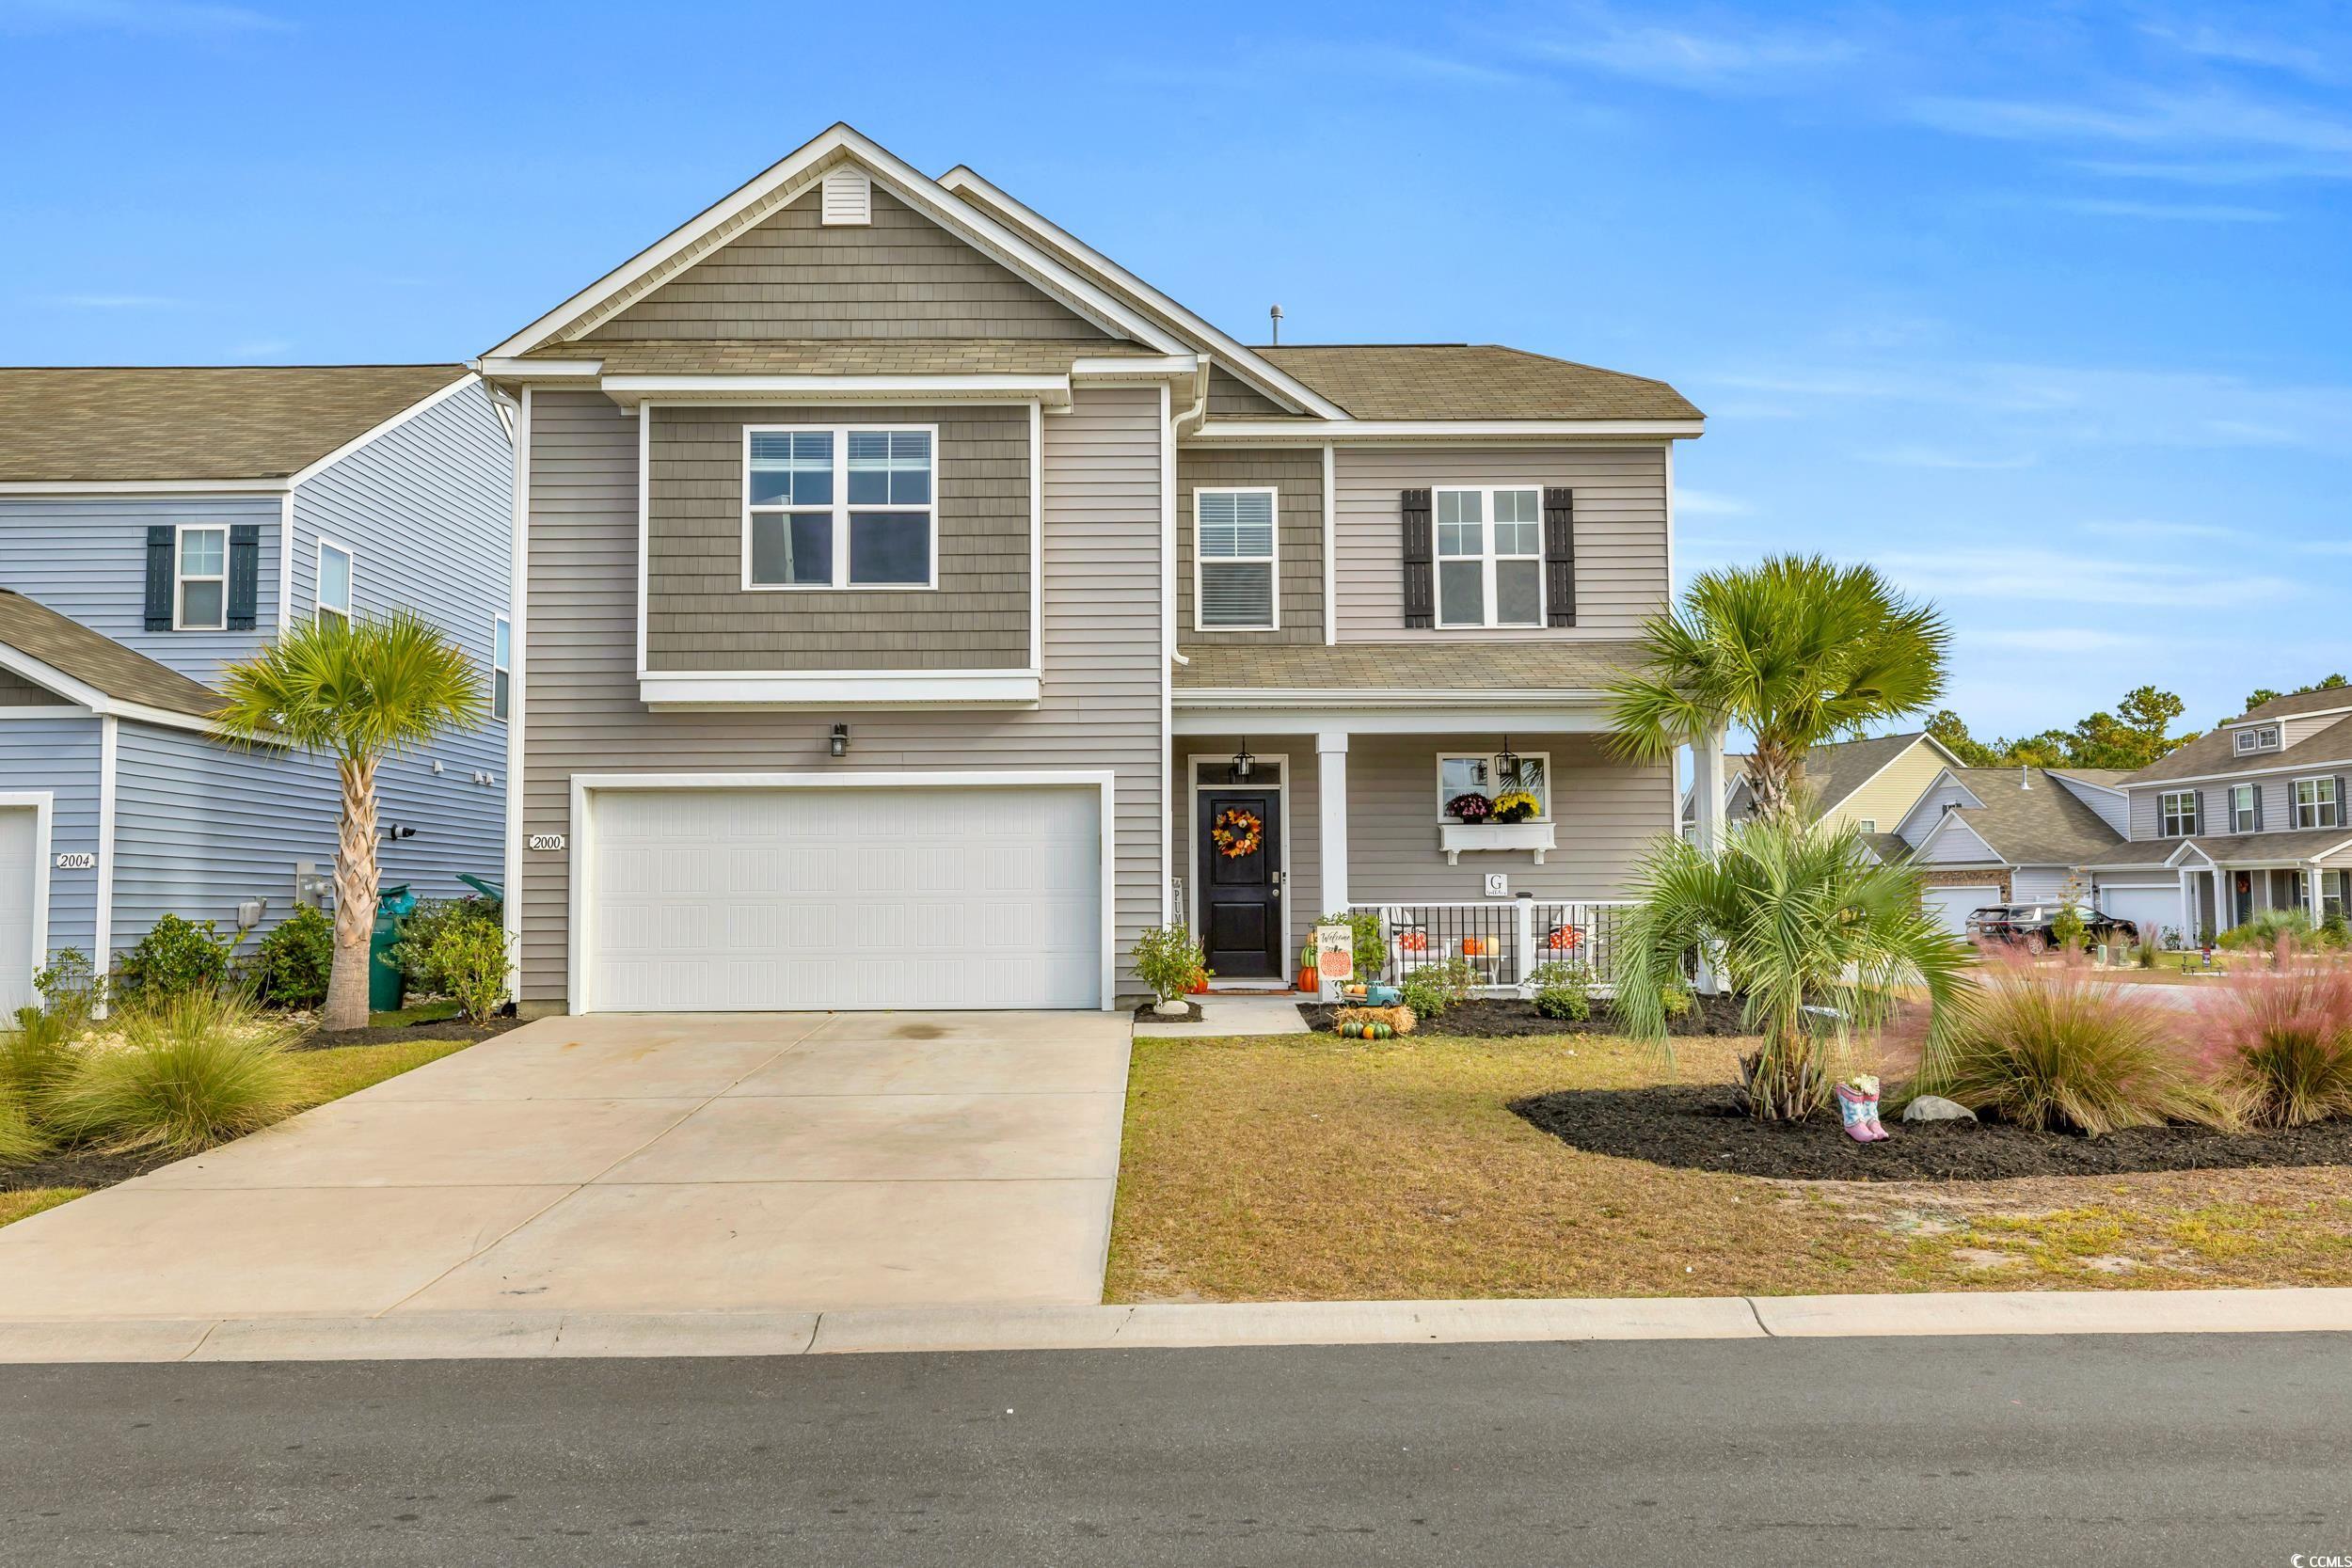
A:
[634,1163]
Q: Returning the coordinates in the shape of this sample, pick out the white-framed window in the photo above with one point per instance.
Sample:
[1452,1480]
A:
[2176,811]
[1491,556]
[1235,560]
[2315,804]
[502,665]
[1486,773]
[2331,893]
[199,578]
[850,506]
[1868,825]
[2244,814]
[2262,737]
[334,581]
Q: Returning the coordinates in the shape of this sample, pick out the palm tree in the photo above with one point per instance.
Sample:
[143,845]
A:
[357,694]
[1795,650]
[1821,942]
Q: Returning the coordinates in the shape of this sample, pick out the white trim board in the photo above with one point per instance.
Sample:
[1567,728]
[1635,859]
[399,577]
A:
[1192,837]
[1316,432]
[703,688]
[145,486]
[43,805]
[979,387]
[579,999]
[784,181]
[518,593]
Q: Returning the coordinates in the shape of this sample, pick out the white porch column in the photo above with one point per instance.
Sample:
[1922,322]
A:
[2189,909]
[1331,803]
[1707,791]
[2311,891]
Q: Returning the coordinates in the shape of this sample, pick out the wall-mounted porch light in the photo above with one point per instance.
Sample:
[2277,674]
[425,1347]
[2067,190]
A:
[841,741]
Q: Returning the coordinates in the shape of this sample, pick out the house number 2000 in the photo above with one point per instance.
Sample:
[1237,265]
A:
[547,841]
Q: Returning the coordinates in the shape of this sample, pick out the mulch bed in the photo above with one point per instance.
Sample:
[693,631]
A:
[1192,1015]
[81,1168]
[1509,1018]
[1701,1127]
[385,1033]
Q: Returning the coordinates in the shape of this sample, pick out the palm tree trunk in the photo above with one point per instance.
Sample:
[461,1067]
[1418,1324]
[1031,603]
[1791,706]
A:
[1775,775]
[1783,1078]
[355,898]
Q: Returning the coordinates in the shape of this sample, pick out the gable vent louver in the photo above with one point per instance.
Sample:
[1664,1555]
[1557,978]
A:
[848,198]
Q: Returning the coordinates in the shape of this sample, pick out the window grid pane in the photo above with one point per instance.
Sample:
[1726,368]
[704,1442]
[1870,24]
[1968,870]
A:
[1236,526]
[1461,593]
[334,581]
[890,548]
[203,553]
[1236,594]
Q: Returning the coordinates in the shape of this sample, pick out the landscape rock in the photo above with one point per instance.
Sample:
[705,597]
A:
[1934,1107]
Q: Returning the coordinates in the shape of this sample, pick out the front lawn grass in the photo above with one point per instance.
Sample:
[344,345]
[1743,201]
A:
[1297,1168]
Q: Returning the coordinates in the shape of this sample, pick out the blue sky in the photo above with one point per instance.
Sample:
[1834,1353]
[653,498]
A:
[2044,310]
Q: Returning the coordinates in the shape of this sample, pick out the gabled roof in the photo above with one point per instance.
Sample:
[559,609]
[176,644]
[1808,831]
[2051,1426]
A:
[1836,770]
[2224,848]
[108,424]
[2289,707]
[2045,825]
[61,646]
[2214,754]
[1473,381]
[784,181]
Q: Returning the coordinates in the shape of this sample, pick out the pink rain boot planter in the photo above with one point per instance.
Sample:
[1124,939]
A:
[1858,1105]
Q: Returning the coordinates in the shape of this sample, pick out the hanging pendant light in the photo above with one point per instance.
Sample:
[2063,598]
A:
[1243,763]
[1508,761]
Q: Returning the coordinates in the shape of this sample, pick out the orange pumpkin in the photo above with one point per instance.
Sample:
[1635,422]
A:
[1474,948]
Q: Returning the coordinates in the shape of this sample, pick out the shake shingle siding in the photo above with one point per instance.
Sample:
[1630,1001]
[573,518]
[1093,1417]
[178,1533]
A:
[1296,475]
[1100,706]
[16,691]
[701,617]
[791,276]
[1620,530]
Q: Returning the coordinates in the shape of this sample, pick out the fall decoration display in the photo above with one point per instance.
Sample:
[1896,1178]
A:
[1238,831]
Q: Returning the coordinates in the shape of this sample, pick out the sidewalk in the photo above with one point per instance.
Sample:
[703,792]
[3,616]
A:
[454,1336]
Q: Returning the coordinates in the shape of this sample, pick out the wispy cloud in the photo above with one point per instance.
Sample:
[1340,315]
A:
[2199,122]
[2061,639]
[111,302]
[171,18]
[2143,528]
[2045,575]
[1937,458]
[2163,211]
[1709,503]
[1722,58]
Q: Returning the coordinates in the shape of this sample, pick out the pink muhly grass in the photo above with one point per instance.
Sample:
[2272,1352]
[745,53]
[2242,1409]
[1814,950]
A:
[2282,1036]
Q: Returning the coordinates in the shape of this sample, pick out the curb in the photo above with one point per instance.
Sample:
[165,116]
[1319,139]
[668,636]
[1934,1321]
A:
[855,1331]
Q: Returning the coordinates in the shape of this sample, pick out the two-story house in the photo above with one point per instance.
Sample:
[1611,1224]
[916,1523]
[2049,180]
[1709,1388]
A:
[913,604]
[2250,815]
[1867,785]
[158,522]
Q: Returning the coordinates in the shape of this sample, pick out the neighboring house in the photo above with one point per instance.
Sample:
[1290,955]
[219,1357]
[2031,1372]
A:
[1867,785]
[1993,835]
[157,522]
[905,581]
[2250,815]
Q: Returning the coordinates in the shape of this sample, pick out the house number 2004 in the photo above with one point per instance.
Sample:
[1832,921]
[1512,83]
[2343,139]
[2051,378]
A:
[547,841]
[77,859]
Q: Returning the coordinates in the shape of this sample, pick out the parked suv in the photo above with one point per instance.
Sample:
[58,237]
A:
[2027,925]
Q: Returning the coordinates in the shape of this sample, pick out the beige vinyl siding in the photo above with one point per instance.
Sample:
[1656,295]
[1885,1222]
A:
[1606,813]
[1297,476]
[1302,893]
[1892,792]
[791,276]
[16,691]
[701,617]
[1229,396]
[1620,530]
[2293,731]
[1101,668]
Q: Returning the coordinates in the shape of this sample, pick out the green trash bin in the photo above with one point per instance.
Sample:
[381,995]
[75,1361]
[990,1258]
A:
[387,983]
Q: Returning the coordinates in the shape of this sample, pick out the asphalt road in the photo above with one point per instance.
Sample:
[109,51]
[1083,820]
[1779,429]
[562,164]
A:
[2092,1451]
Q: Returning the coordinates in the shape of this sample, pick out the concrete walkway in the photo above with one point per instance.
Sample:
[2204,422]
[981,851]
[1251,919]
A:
[1237,1012]
[633,1165]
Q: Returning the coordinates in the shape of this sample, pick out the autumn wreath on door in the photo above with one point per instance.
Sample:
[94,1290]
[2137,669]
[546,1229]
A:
[1238,831]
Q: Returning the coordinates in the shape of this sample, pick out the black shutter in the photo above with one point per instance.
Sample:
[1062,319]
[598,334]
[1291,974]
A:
[159,576]
[245,573]
[2258,808]
[1560,556]
[2340,816]
[1420,572]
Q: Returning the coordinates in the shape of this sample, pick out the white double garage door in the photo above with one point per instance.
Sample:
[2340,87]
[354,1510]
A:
[950,896]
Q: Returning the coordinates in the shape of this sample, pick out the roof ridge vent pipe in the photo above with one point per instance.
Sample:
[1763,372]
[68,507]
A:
[2024,776]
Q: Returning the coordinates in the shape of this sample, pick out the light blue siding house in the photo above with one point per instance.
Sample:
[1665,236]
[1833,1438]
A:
[157,522]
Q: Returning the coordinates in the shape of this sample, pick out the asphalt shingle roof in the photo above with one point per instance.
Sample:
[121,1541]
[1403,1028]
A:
[194,421]
[2302,701]
[2045,825]
[1436,668]
[94,660]
[1472,381]
[2215,753]
[2299,845]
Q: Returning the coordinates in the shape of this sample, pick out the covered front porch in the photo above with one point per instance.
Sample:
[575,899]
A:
[2225,882]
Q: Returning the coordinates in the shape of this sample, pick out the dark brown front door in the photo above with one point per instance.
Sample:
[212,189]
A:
[1241,894]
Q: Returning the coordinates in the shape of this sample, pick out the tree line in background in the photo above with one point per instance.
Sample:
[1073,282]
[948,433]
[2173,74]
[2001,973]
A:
[2135,735]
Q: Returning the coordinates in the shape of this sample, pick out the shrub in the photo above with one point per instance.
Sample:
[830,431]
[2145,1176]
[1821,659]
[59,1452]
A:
[2262,933]
[468,959]
[1167,958]
[1677,1001]
[175,958]
[1564,991]
[2067,1050]
[19,1143]
[39,1057]
[422,934]
[195,1069]
[2333,931]
[2066,927]
[70,986]
[2284,1039]
[1431,989]
[292,966]
[1370,943]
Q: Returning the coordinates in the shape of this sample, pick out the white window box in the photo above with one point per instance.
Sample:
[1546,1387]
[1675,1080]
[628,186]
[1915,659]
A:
[1454,837]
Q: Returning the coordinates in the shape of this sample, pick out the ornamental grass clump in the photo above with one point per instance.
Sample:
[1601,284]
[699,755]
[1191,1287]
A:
[2064,1049]
[2282,1038]
[20,1141]
[193,1071]
[39,1057]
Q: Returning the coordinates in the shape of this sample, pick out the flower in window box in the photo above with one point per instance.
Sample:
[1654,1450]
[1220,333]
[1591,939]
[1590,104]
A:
[1516,806]
[1472,807]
